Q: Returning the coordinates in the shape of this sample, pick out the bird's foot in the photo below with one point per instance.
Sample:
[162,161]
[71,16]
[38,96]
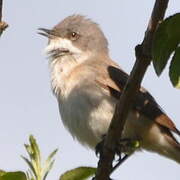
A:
[124,150]
[125,147]
[99,147]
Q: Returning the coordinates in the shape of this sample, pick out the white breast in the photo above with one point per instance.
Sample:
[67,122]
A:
[60,69]
[84,109]
[86,112]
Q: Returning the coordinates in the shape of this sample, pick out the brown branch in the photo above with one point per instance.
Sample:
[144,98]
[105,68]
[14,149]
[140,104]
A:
[3,25]
[1,4]
[143,59]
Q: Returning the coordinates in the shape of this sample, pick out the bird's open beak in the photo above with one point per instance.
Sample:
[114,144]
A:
[45,32]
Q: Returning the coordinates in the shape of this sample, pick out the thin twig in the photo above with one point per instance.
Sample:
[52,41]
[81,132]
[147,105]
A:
[1,4]
[143,59]
[120,162]
[3,25]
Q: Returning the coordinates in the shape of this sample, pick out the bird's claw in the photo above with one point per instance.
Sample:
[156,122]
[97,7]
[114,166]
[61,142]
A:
[99,147]
[125,146]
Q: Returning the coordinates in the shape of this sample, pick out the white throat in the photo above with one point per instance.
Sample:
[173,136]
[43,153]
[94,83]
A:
[61,67]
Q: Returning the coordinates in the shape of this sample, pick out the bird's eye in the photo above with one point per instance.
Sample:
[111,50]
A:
[73,34]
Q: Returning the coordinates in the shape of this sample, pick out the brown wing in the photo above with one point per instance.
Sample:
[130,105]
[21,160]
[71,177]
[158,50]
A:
[144,102]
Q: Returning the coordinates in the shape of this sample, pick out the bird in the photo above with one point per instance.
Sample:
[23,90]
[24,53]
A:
[88,84]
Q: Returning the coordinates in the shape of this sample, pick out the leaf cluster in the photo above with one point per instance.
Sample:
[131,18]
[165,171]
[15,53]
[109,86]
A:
[39,171]
[166,43]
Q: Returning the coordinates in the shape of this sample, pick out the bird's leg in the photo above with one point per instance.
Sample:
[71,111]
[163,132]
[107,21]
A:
[120,161]
[125,146]
[99,146]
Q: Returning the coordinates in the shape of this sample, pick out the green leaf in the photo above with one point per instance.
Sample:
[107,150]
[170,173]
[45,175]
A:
[174,71]
[51,156]
[37,170]
[13,176]
[35,149]
[49,164]
[30,175]
[166,40]
[30,166]
[46,170]
[80,173]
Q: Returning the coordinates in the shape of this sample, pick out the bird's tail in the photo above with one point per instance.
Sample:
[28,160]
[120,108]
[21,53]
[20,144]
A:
[172,149]
[161,140]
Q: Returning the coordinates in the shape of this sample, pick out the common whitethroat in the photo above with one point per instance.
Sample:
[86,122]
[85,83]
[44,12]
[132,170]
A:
[88,84]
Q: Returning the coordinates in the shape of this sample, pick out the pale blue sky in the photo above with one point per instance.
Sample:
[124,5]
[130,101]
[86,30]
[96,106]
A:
[27,104]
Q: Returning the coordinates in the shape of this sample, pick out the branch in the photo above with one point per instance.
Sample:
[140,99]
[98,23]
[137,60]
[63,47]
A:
[143,59]
[3,25]
[1,4]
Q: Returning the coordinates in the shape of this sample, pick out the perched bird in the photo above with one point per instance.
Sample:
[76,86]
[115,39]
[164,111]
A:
[88,84]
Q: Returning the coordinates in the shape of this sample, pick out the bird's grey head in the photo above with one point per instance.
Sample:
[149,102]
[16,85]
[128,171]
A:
[75,35]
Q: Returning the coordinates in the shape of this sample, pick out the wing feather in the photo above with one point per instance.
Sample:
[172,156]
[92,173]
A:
[113,79]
